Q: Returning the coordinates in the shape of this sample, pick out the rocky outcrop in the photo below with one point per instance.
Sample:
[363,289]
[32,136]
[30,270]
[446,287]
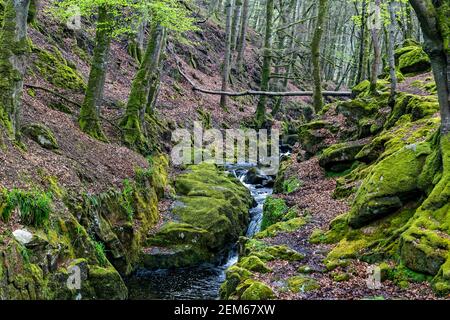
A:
[211,211]
[77,247]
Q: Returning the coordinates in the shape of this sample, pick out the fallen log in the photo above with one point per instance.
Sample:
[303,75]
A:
[261,93]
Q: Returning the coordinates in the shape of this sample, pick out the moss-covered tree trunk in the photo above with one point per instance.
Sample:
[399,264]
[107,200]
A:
[13,50]
[133,123]
[267,64]
[89,118]
[315,55]
[434,17]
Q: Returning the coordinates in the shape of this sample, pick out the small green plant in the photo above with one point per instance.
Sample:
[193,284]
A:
[34,206]
[100,252]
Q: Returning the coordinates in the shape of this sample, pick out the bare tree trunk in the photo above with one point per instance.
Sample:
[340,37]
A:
[227,56]
[391,54]
[267,62]
[434,23]
[89,118]
[375,31]
[315,55]
[13,50]
[243,36]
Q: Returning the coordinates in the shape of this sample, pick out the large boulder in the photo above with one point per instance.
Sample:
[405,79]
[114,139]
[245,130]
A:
[412,59]
[391,182]
[340,157]
[211,212]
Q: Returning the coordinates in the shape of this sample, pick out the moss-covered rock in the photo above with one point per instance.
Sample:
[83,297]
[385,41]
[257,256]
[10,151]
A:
[198,232]
[418,107]
[391,182]
[302,284]
[253,263]
[55,69]
[273,211]
[255,290]
[340,157]
[313,135]
[426,243]
[41,134]
[412,59]
[280,227]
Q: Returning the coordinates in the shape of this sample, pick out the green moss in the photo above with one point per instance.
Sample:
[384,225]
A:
[54,68]
[234,276]
[340,157]
[107,283]
[338,230]
[267,252]
[255,290]
[206,229]
[413,60]
[292,185]
[390,182]
[273,211]
[341,277]
[253,263]
[302,284]
[285,226]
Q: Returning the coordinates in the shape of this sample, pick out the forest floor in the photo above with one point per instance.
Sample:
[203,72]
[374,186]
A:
[315,198]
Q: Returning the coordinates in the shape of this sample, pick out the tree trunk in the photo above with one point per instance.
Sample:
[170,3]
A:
[315,55]
[13,50]
[227,56]
[391,54]
[362,44]
[375,31]
[133,122]
[243,36]
[89,118]
[267,61]
[435,27]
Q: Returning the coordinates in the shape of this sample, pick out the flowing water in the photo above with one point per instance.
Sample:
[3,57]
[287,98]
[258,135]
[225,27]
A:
[200,282]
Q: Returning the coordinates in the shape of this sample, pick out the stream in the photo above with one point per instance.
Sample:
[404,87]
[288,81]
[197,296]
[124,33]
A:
[203,281]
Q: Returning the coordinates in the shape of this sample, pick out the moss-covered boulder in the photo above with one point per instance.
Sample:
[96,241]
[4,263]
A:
[418,107]
[54,68]
[313,136]
[340,157]
[426,243]
[412,59]
[41,134]
[198,232]
[389,184]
